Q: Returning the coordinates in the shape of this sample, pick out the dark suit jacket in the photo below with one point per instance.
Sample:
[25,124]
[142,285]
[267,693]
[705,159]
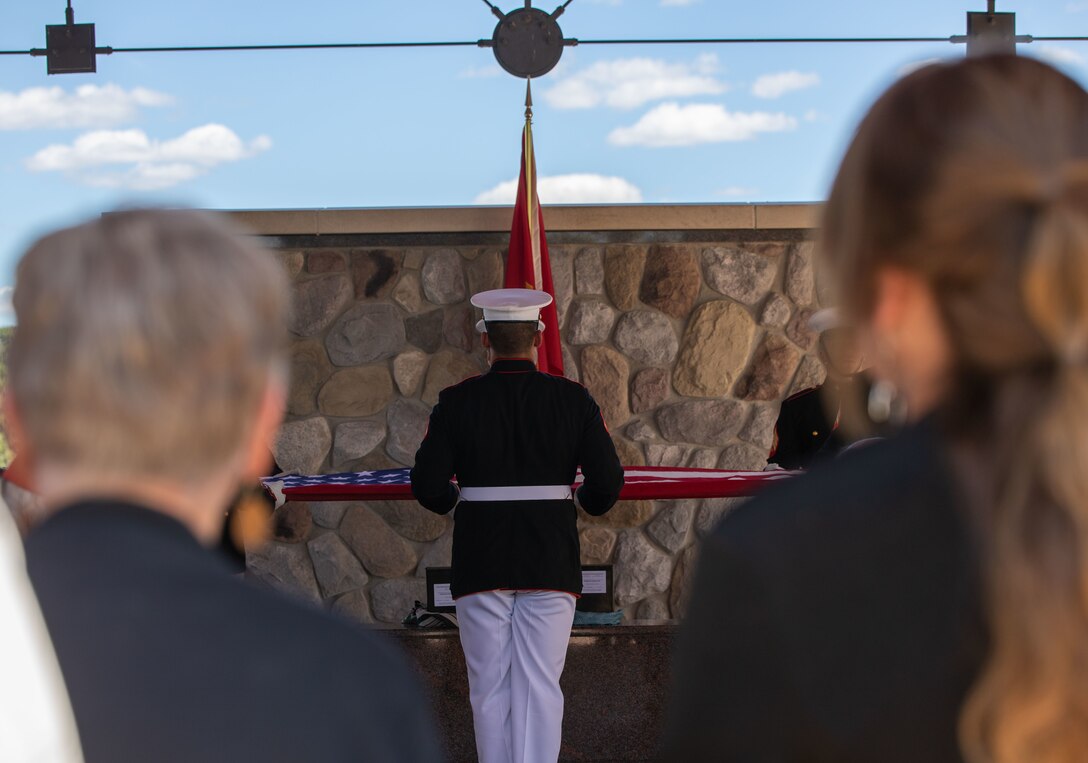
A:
[808,430]
[835,617]
[168,658]
[803,430]
[516,426]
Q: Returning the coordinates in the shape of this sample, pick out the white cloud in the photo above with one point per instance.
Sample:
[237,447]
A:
[777,85]
[144,177]
[627,83]
[7,312]
[578,188]
[913,66]
[86,106]
[98,158]
[1057,55]
[671,124]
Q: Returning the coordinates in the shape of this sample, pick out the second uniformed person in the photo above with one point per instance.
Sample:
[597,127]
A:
[514,437]
[808,426]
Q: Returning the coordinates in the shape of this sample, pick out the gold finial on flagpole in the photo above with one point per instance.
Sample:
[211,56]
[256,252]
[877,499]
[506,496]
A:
[528,99]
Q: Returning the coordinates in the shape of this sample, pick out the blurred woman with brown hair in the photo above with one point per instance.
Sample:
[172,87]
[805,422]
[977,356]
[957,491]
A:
[926,599]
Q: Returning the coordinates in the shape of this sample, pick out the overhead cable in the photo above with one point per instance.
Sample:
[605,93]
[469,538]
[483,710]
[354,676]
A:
[955,39]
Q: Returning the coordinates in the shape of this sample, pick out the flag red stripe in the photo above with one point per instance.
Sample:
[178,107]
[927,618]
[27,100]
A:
[642,483]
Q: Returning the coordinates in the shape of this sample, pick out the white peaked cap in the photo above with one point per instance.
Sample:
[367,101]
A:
[510,305]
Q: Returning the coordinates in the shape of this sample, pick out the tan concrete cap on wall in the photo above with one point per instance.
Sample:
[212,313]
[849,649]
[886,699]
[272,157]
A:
[657,217]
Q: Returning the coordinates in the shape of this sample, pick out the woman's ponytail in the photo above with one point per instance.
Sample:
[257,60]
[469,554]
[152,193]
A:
[1031,702]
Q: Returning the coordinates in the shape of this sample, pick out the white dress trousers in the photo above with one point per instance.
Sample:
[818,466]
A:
[515,645]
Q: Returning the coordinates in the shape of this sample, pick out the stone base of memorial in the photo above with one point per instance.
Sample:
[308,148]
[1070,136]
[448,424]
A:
[615,683]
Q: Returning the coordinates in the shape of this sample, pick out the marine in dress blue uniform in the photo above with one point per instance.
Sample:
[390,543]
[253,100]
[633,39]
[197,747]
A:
[809,428]
[514,438]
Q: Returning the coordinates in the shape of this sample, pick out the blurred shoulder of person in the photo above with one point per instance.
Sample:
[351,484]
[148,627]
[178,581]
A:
[36,723]
[146,376]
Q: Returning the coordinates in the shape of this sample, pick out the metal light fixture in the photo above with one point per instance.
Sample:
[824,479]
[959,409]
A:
[991,32]
[528,42]
[69,46]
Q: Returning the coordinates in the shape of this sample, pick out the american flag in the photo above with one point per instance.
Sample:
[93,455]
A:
[640,483]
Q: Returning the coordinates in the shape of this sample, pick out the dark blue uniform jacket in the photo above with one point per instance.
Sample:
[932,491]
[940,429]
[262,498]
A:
[516,426]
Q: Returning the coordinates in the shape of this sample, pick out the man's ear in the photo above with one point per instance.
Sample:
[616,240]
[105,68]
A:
[486,340]
[13,423]
[538,339]
[256,454]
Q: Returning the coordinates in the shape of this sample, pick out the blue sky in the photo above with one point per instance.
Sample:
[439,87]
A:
[422,127]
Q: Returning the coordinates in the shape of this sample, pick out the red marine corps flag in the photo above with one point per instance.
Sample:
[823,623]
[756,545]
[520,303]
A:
[527,265]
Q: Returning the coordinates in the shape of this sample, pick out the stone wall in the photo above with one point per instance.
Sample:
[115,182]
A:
[688,345]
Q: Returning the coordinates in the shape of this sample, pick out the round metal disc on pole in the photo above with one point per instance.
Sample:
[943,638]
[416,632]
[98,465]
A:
[527,42]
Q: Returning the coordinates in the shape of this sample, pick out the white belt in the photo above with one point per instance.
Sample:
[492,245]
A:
[517,493]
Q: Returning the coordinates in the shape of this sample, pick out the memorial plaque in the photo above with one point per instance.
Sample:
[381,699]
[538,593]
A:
[596,588]
[439,598]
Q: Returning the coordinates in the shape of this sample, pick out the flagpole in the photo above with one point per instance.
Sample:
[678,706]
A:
[527,265]
[532,201]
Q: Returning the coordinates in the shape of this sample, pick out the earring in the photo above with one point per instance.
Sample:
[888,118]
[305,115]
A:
[885,405]
[249,520]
